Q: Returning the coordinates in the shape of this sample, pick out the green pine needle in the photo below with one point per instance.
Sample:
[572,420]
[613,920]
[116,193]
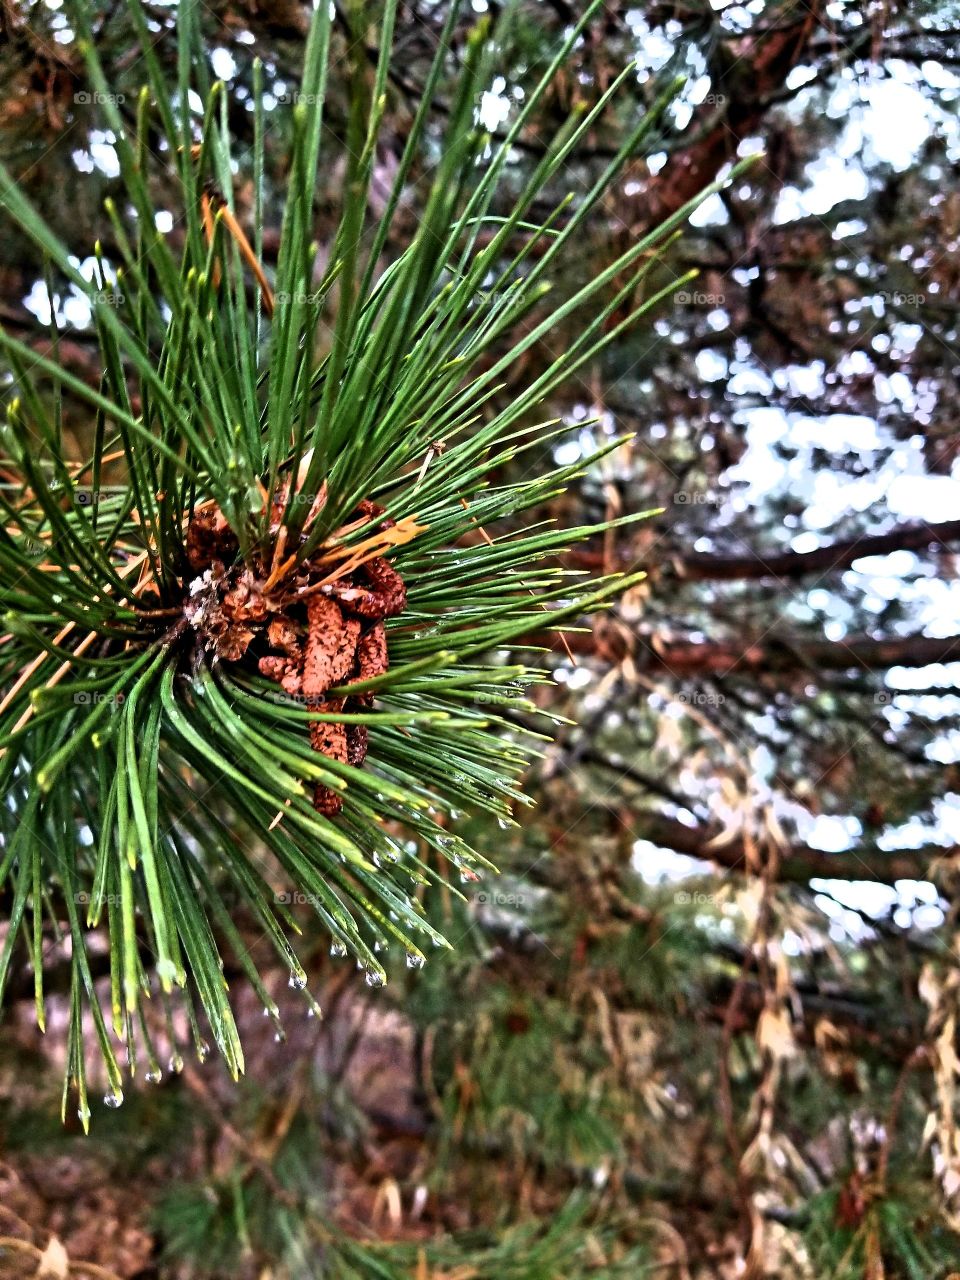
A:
[131,755]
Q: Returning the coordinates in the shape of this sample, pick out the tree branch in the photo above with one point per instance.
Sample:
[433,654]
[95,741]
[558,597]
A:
[800,864]
[708,567]
[684,659]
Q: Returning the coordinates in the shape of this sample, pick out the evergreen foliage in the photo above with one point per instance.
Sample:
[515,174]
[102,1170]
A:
[139,740]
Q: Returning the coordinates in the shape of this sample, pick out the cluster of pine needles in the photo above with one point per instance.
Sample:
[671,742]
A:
[152,788]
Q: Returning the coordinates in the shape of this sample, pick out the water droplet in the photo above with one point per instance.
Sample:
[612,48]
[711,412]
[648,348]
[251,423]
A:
[203,1051]
[175,1065]
[83,1115]
[376,860]
[375,978]
[415,961]
[504,824]
[298,980]
[153,1076]
[379,945]
[113,1099]
[279,1037]
[338,949]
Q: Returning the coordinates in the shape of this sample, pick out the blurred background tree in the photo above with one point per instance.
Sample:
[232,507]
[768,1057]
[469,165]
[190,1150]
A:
[704,1023]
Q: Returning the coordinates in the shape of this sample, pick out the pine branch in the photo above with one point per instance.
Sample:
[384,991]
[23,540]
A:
[250,651]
